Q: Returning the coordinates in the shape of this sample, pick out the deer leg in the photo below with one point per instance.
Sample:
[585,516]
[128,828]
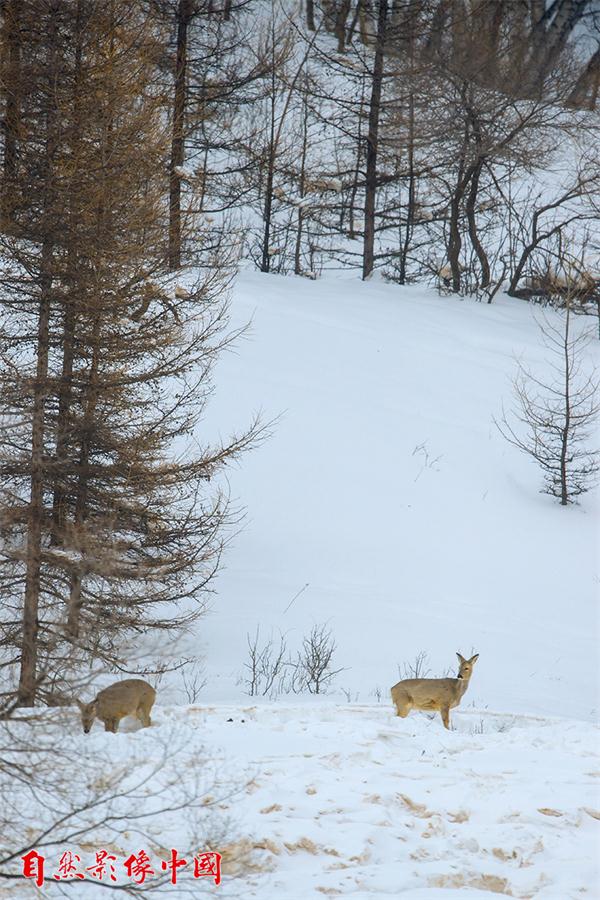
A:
[403,706]
[445,714]
[143,715]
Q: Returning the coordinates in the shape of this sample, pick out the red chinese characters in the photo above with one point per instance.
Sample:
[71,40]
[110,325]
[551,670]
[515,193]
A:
[103,866]
[33,866]
[173,864]
[138,866]
[208,864]
[67,867]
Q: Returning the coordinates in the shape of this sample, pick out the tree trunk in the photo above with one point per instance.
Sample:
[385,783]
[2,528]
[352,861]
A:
[356,173]
[265,265]
[184,14]
[410,210]
[566,430]
[268,210]
[81,502]
[372,142]
[585,92]
[64,405]
[462,181]
[547,41]
[454,241]
[12,78]
[536,239]
[301,188]
[28,675]
[65,390]
[472,220]
[310,15]
[341,17]
[33,553]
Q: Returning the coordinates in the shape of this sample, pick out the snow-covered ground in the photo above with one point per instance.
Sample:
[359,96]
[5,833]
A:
[351,801]
[388,505]
[387,490]
[322,800]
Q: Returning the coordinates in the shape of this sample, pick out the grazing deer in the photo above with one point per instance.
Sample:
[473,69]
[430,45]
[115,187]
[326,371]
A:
[132,697]
[441,694]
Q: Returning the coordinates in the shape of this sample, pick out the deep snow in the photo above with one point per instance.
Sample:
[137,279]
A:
[387,489]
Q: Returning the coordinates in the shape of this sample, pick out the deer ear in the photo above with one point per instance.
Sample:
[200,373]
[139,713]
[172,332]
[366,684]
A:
[461,658]
[79,703]
[474,658]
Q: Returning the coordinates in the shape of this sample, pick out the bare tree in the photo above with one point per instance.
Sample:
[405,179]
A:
[272,670]
[279,105]
[194,680]
[514,48]
[554,420]
[373,138]
[266,666]
[210,63]
[315,660]
[540,221]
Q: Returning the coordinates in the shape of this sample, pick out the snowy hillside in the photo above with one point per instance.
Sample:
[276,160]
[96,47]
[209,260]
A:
[274,279]
[387,489]
[387,493]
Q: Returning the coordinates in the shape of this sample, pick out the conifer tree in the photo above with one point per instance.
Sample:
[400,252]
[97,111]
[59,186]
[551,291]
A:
[108,528]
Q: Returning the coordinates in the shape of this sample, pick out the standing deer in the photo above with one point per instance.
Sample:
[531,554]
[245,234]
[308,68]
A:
[441,694]
[132,697]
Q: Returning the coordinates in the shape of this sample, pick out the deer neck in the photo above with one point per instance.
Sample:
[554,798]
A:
[462,683]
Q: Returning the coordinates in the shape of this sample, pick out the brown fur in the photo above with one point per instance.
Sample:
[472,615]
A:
[132,697]
[440,694]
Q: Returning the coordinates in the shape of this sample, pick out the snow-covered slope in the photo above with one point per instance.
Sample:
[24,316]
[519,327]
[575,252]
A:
[387,489]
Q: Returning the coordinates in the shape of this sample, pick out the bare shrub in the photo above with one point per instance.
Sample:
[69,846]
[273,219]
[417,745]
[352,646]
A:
[194,681]
[266,666]
[315,660]
[272,670]
[478,728]
[351,696]
[419,668]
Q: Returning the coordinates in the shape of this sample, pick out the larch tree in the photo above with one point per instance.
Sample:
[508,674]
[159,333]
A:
[209,66]
[373,138]
[554,419]
[183,16]
[108,528]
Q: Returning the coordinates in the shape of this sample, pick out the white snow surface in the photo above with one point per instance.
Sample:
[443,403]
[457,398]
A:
[352,801]
[325,800]
[388,491]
